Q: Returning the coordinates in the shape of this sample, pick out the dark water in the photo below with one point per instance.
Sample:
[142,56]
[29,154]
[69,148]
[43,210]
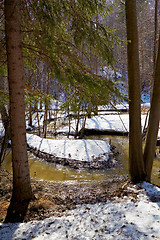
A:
[41,170]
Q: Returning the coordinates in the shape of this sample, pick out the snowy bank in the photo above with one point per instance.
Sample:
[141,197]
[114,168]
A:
[112,122]
[75,153]
[131,218]
[83,150]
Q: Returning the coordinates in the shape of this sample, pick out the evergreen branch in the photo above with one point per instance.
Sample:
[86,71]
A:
[73,45]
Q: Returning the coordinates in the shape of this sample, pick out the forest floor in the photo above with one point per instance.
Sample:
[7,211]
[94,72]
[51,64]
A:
[52,199]
[115,209]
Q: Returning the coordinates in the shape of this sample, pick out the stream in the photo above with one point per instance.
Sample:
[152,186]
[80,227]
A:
[41,170]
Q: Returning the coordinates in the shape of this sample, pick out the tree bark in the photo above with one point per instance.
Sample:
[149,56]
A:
[136,165]
[6,124]
[155,34]
[22,192]
[154,119]
[30,112]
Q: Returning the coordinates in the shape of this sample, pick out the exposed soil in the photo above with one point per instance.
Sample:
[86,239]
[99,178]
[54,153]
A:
[53,199]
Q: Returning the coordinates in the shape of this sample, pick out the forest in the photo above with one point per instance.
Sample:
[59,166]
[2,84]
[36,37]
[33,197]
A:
[79,119]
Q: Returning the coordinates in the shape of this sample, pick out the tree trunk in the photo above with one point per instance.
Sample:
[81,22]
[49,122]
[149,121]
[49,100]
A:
[155,34]
[30,112]
[6,124]
[69,122]
[77,125]
[154,119]
[5,142]
[83,128]
[45,121]
[136,165]
[89,110]
[22,192]
[39,127]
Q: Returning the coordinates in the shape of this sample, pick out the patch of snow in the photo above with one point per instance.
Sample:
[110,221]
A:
[110,122]
[1,129]
[115,122]
[145,105]
[124,218]
[82,150]
[116,107]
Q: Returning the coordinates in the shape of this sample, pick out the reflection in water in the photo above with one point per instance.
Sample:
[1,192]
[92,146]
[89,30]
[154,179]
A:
[41,170]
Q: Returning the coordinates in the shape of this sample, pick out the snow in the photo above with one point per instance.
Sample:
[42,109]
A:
[1,129]
[125,218]
[146,105]
[110,122]
[83,150]
[115,122]
[116,107]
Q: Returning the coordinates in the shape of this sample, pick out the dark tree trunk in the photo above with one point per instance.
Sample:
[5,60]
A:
[30,113]
[154,119]
[155,34]
[22,192]
[77,124]
[136,165]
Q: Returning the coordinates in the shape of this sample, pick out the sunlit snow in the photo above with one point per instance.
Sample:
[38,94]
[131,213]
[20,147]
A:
[83,150]
[114,122]
[124,218]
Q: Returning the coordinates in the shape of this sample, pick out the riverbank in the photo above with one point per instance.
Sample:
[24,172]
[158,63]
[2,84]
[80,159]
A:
[55,198]
[115,209]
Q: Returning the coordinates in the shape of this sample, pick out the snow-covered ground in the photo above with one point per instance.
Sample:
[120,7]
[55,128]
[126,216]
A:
[83,150]
[119,219]
[114,122]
